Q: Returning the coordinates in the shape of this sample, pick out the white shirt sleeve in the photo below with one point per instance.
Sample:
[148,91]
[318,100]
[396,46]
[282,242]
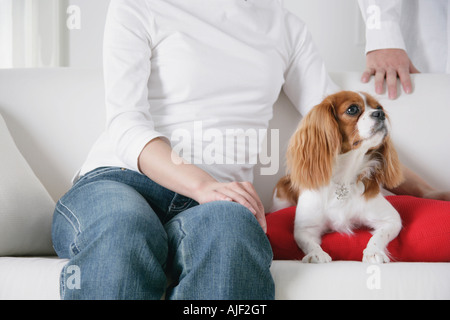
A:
[382,18]
[307,81]
[127,67]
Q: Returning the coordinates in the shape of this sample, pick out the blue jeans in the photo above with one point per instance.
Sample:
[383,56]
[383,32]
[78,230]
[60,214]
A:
[123,233]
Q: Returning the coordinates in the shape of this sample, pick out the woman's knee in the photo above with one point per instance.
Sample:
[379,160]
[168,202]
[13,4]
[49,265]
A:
[227,223]
[220,251]
[108,212]
[109,231]
[227,217]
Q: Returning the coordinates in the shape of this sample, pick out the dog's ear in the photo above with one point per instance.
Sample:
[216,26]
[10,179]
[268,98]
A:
[313,148]
[390,174]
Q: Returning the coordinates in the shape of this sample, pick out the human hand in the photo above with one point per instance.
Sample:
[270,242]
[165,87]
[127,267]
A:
[438,195]
[241,192]
[388,64]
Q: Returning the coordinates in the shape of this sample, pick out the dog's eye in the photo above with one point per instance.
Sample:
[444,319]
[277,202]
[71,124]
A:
[352,110]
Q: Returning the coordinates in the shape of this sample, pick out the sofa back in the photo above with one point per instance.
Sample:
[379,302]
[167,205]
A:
[56,114]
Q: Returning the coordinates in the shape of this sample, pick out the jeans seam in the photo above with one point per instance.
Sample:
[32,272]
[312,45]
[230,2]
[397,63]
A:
[177,209]
[78,230]
[184,261]
[74,244]
[97,172]
[100,172]
[62,282]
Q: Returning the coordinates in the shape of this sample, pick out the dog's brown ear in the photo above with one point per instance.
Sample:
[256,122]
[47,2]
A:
[390,174]
[313,147]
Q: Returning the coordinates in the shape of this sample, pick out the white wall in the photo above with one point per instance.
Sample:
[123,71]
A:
[336,27]
[85,43]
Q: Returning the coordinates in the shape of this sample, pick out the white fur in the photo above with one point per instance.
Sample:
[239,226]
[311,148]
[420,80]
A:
[319,211]
[278,204]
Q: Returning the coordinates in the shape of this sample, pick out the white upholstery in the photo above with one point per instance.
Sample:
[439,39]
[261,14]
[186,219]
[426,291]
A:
[25,205]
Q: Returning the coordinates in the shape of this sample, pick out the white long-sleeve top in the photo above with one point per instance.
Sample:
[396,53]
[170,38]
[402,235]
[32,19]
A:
[188,70]
[420,27]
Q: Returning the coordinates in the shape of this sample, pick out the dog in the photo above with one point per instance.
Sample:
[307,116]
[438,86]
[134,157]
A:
[337,160]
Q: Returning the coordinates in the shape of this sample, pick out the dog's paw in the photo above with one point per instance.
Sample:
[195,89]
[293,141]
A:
[373,255]
[317,256]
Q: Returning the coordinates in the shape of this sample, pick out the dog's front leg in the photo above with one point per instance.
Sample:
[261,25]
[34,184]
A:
[375,251]
[308,239]
[387,224]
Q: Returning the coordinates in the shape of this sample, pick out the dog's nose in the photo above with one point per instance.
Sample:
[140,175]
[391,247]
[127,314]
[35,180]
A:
[379,115]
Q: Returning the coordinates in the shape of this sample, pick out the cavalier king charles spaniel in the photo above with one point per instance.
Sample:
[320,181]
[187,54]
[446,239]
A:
[337,160]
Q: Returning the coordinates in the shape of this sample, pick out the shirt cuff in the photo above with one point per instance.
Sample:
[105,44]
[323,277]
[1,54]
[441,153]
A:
[387,36]
[134,149]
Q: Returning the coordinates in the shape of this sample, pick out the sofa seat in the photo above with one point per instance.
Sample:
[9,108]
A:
[30,278]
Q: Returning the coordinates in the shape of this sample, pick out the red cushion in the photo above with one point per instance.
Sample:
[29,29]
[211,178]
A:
[425,236]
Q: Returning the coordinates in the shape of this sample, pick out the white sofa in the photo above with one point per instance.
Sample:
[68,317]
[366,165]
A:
[54,116]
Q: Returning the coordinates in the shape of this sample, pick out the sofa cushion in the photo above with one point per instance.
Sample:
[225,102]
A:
[425,236]
[26,208]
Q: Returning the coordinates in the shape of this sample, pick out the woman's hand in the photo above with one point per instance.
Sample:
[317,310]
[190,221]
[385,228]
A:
[438,195]
[158,162]
[241,192]
[415,186]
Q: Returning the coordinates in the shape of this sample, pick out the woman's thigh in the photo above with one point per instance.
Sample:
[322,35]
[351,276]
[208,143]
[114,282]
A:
[101,208]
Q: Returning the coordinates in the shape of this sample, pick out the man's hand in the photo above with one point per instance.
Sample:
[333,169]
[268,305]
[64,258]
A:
[388,64]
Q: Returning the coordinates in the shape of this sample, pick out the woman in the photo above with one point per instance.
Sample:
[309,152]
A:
[137,209]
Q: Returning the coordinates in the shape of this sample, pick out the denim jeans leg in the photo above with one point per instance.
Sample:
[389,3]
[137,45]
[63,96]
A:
[114,240]
[219,251]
